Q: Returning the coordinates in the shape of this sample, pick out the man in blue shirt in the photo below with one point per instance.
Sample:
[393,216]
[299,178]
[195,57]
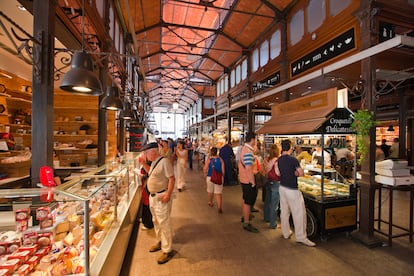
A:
[291,198]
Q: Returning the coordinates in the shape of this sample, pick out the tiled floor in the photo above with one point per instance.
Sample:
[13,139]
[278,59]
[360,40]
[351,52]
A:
[209,243]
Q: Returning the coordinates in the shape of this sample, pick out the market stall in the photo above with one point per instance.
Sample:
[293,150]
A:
[46,235]
[322,121]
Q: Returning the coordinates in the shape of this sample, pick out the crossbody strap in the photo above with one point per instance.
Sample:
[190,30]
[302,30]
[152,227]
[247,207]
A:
[156,163]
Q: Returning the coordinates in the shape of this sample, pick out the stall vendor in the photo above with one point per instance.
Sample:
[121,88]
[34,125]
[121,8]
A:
[317,157]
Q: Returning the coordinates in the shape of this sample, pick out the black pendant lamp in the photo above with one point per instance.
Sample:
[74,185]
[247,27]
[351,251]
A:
[111,101]
[126,113]
[80,79]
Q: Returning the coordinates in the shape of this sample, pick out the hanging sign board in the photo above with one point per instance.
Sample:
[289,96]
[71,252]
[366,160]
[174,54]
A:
[333,48]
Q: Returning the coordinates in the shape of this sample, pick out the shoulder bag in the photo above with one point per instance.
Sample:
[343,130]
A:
[271,175]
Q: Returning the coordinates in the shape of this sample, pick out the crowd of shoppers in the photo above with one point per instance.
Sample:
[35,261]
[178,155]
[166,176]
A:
[158,160]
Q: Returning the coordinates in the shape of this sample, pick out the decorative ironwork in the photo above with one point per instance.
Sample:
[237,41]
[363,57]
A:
[65,59]
[18,42]
[21,44]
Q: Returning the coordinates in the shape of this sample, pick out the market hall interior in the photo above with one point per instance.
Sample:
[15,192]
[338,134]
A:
[209,243]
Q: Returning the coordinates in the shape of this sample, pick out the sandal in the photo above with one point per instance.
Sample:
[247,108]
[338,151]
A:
[210,204]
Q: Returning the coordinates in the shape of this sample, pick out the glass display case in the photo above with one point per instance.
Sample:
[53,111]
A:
[329,184]
[332,189]
[44,229]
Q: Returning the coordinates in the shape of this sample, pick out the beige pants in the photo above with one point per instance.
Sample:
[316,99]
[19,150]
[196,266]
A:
[161,216]
[291,201]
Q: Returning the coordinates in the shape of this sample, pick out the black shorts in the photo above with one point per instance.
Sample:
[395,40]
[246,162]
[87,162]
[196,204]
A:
[249,193]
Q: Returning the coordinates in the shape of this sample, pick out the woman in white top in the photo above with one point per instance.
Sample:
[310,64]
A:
[182,159]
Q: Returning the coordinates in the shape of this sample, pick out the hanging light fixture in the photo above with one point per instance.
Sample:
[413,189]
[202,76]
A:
[112,101]
[391,128]
[126,113]
[80,79]
[175,105]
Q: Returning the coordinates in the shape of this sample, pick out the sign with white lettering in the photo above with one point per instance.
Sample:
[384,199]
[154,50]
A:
[269,82]
[333,48]
[241,96]
[339,121]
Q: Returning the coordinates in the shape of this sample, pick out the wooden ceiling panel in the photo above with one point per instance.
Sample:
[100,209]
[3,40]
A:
[149,42]
[144,13]
[255,8]
[225,51]
[252,30]
[281,5]
[183,39]
[236,25]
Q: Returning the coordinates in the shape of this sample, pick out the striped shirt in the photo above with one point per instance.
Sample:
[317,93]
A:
[248,161]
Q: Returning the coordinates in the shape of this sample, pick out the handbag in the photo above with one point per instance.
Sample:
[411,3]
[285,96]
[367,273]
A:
[216,177]
[271,175]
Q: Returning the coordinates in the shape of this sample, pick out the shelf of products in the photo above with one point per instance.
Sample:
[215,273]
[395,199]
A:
[384,133]
[49,235]
[76,122]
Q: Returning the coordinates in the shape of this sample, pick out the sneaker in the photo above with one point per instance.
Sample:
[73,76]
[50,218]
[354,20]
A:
[156,247]
[290,235]
[307,242]
[250,228]
[165,257]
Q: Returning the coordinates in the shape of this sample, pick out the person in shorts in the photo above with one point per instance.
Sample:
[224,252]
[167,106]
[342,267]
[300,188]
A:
[212,188]
[247,181]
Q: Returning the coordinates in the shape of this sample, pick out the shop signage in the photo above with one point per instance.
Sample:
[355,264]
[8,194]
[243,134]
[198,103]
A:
[238,97]
[333,48]
[339,121]
[386,31]
[137,138]
[388,107]
[269,82]
[222,106]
